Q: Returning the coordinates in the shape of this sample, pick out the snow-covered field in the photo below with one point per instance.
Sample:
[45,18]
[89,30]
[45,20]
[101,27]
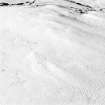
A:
[51,57]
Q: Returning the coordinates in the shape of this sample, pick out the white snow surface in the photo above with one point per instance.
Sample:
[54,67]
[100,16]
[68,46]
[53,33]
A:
[46,59]
[15,1]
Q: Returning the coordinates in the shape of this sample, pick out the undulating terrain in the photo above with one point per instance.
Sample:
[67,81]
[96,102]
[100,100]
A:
[52,52]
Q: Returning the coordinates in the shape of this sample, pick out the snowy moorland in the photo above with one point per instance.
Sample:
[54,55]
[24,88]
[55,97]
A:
[52,53]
